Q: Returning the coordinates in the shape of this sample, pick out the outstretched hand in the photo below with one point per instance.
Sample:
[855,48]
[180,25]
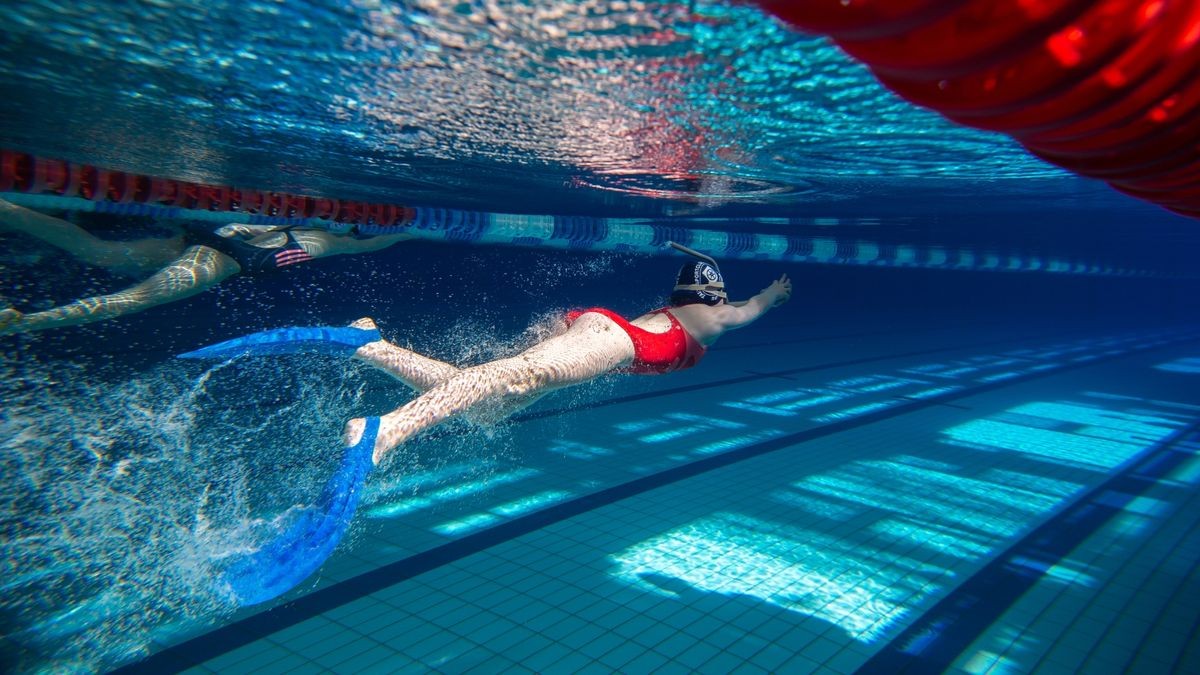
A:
[244,231]
[781,288]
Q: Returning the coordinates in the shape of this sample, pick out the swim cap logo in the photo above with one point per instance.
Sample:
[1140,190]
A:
[692,285]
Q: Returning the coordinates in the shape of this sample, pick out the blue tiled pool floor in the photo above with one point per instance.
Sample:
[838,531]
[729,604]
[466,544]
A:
[832,509]
[1123,601]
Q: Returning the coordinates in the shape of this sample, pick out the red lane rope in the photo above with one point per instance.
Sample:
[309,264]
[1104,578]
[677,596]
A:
[1108,89]
[22,172]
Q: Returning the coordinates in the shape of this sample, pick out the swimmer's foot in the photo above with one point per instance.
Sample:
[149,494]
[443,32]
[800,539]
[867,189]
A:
[333,341]
[353,432]
[295,552]
[365,323]
[361,432]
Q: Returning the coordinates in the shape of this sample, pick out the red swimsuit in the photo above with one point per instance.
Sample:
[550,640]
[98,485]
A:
[653,353]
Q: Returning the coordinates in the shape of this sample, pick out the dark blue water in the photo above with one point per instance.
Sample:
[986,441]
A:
[127,474]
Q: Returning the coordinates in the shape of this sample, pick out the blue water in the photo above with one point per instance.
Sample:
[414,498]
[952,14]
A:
[129,478]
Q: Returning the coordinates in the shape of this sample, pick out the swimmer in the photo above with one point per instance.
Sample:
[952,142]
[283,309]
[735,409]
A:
[594,342]
[196,257]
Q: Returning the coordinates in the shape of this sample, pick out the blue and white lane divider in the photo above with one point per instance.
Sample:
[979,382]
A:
[632,235]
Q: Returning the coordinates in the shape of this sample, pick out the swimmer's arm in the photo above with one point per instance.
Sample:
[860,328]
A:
[245,231]
[744,312]
[319,243]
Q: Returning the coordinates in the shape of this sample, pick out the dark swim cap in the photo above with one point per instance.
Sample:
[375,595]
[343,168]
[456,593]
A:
[698,282]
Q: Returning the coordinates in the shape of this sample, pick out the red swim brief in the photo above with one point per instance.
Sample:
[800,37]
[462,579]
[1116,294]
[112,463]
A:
[653,353]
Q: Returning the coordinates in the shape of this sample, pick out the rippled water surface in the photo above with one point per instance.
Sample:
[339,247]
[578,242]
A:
[656,108]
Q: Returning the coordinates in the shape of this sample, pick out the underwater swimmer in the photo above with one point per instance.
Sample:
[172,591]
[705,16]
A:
[195,258]
[594,342]
[597,341]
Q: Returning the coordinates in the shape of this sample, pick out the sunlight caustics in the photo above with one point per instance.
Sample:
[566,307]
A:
[419,481]
[855,411]
[788,401]
[785,402]
[448,494]
[978,505]
[495,514]
[799,570]
[577,449]
[1097,438]
[1189,472]
[805,570]
[1189,365]
[935,391]
[941,510]
[727,444]
[1101,562]
[765,410]
[695,424]
[997,377]
[827,509]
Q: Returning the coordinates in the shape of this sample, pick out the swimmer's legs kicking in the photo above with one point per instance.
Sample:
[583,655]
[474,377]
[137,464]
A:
[197,269]
[592,346]
[418,372]
[133,258]
[360,340]
[421,373]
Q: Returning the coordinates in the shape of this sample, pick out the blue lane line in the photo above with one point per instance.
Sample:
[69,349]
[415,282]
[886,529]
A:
[239,633]
[941,634]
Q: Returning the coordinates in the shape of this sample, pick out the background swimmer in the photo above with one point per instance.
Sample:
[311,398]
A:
[197,257]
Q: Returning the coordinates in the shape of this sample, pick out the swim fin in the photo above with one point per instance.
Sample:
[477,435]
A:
[288,559]
[339,341]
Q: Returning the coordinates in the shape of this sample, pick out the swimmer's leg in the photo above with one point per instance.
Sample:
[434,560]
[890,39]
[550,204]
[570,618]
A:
[294,554]
[320,244]
[197,270]
[130,258]
[594,345]
[360,340]
[421,373]
[416,371]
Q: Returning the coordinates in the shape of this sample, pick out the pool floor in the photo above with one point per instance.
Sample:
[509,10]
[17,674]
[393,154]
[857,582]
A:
[987,499]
